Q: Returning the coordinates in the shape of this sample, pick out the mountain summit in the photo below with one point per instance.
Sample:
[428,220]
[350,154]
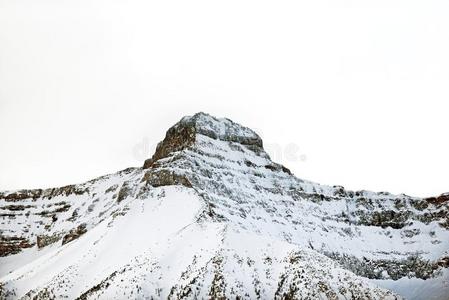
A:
[184,134]
[211,216]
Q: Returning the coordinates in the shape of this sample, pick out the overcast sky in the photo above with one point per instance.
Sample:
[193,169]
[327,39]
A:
[353,93]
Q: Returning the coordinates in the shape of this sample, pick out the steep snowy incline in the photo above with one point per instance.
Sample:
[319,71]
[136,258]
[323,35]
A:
[32,220]
[399,235]
[158,248]
[211,216]
[375,235]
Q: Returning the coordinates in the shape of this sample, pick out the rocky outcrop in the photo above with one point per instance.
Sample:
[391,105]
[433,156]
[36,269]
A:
[412,266]
[177,138]
[74,234]
[404,212]
[124,192]
[164,177]
[45,240]
[183,135]
[44,216]
[444,198]
[12,245]
[20,195]
[47,193]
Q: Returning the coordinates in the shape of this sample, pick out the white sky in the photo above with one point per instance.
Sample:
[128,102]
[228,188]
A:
[360,87]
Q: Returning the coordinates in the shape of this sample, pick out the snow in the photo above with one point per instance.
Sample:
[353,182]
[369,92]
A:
[149,225]
[416,289]
[222,129]
[245,219]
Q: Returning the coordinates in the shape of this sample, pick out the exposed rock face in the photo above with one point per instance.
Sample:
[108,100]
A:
[440,200]
[20,195]
[183,135]
[412,266]
[177,138]
[74,234]
[43,217]
[245,228]
[12,245]
[45,240]
[124,192]
[164,178]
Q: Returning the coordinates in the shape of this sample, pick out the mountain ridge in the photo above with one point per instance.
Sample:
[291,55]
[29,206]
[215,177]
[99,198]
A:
[379,236]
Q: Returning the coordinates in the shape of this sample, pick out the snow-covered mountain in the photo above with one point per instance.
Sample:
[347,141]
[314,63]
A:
[210,216]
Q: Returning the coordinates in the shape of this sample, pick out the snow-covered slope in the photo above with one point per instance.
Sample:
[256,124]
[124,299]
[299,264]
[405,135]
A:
[211,216]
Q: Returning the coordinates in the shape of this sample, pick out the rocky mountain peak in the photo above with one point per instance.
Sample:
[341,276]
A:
[212,216]
[184,134]
[222,129]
